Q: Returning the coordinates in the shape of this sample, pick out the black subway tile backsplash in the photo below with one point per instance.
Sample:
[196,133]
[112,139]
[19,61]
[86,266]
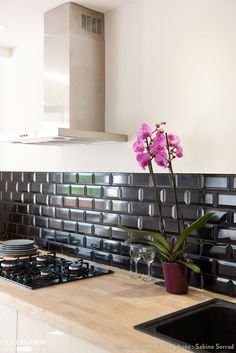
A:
[73,212]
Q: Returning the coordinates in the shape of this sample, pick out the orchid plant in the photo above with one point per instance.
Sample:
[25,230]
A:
[162,148]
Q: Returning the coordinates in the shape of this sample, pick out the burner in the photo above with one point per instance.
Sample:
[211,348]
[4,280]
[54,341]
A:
[76,266]
[46,272]
[43,259]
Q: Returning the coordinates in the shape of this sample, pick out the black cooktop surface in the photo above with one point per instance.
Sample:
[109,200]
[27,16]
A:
[44,270]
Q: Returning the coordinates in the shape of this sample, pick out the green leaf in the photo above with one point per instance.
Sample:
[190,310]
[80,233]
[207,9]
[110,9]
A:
[164,257]
[190,265]
[160,247]
[157,236]
[187,231]
[189,246]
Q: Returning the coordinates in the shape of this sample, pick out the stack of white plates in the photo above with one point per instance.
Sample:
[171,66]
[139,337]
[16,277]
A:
[18,247]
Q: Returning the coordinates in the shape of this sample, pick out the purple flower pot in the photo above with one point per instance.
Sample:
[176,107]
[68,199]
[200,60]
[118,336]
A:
[176,277]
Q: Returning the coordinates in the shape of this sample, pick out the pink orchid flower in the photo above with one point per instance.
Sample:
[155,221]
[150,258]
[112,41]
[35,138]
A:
[173,140]
[161,159]
[179,151]
[143,159]
[138,146]
[157,146]
[144,132]
[160,136]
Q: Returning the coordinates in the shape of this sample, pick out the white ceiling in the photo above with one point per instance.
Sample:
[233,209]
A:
[25,16]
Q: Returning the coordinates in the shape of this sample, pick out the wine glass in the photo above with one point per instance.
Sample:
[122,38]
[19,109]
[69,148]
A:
[148,255]
[135,252]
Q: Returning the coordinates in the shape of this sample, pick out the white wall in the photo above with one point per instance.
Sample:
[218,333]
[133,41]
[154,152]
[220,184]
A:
[165,60]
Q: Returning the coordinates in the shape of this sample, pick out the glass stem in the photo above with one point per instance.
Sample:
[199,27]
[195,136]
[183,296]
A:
[136,267]
[149,270]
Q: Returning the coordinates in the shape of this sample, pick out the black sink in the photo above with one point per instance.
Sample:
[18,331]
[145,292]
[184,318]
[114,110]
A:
[205,327]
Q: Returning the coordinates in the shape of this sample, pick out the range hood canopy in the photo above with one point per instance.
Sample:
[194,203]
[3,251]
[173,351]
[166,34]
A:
[74,80]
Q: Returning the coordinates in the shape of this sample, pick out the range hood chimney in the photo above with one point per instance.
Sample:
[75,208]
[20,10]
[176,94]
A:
[74,79]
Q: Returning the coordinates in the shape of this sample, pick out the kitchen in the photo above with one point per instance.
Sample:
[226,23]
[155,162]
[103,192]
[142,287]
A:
[167,61]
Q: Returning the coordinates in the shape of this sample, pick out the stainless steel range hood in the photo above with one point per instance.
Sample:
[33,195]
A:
[74,82]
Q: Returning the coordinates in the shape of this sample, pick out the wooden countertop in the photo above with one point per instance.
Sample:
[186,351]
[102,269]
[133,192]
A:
[103,310]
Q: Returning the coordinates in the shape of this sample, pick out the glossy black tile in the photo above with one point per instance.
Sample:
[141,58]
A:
[111,192]
[16,196]
[70,178]
[48,234]
[141,208]
[48,188]
[29,176]
[6,196]
[35,232]
[85,228]
[41,199]
[35,210]
[85,178]
[42,177]
[11,186]
[216,251]
[121,261]
[93,242]
[55,223]
[70,226]
[102,205]
[189,181]
[94,191]
[35,187]
[227,235]
[111,246]
[102,257]
[227,199]
[78,190]
[120,206]
[102,231]
[55,177]
[48,211]
[129,221]
[41,222]
[22,208]
[62,237]
[102,178]
[85,253]
[17,218]
[215,182]
[140,179]
[23,187]
[17,176]
[93,217]
[130,193]
[77,215]
[23,230]
[118,234]
[28,220]
[121,179]
[216,284]
[55,201]
[63,213]
[226,269]
[77,239]
[63,189]
[85,203]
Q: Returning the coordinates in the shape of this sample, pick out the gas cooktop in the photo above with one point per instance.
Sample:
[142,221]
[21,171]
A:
[42,270]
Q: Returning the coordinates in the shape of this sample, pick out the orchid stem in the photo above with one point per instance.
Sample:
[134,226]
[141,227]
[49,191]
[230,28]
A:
[178,211]
[157,197]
